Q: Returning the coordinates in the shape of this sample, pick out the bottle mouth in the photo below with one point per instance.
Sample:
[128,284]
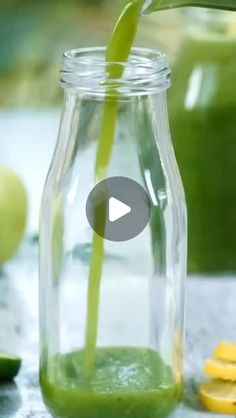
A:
[86,70]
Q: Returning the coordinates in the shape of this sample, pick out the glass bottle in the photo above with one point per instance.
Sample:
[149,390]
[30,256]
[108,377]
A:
[202,105]
[112,312]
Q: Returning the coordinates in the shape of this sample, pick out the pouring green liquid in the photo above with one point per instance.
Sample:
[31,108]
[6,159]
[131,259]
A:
[118,50]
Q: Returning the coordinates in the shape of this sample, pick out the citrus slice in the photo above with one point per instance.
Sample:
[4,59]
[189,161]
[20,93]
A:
[220,369]
[9,366]
[225,351]
[219,396]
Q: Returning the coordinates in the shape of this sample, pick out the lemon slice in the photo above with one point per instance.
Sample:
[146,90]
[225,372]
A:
[9,366]
[225,351]
[219,396]
[220,369]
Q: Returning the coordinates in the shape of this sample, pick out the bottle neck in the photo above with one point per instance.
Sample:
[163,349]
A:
[85,70]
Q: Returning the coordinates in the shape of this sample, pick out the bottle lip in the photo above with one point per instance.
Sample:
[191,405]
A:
[86,70]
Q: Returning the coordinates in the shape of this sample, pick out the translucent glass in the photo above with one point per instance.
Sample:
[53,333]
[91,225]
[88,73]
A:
[140,336]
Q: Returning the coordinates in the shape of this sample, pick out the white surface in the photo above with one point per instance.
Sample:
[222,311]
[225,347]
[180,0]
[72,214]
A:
[27,141]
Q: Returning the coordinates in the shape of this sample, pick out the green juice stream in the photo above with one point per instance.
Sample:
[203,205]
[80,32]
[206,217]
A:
[117,51]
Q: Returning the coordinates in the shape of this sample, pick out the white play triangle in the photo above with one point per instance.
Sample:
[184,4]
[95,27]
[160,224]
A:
[117,209]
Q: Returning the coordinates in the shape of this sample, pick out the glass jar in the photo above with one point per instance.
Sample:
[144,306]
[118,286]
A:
[202,117]
[112,311]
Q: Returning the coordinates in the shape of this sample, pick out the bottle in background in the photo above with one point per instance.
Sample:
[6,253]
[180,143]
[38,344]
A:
[202,105]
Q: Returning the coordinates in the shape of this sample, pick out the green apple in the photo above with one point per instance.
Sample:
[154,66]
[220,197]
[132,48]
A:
[13,213]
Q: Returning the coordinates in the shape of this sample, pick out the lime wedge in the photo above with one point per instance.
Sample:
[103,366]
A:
[9,366]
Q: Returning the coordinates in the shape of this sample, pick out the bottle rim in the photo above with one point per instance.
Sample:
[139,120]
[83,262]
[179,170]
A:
[86,70]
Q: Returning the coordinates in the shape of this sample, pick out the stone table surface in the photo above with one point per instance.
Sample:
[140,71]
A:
[210,318]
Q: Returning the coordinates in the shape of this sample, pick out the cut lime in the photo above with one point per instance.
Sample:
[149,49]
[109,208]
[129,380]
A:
[9,366]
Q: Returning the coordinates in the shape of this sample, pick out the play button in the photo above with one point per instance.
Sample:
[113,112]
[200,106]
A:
[118,209]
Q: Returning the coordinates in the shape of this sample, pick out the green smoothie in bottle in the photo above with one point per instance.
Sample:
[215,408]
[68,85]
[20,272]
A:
[114,382]
[126,382]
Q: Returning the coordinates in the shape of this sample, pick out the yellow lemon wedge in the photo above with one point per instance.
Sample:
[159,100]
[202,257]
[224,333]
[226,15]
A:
[220,369]
[219,396]
[225,351]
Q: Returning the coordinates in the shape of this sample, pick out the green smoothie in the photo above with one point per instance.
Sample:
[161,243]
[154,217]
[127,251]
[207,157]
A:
[202,103]
[127,382]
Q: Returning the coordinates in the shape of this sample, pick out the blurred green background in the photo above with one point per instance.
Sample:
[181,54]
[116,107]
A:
[34,34]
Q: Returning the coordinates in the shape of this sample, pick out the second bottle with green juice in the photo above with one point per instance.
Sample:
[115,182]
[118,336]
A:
[202,104]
